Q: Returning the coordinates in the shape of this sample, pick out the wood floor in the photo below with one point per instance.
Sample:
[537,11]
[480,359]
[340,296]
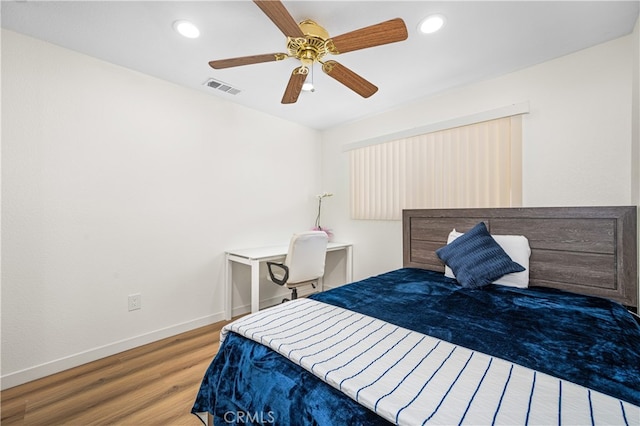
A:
[153,384]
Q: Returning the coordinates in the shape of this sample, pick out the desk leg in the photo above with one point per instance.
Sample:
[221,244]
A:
[255,286]
[228,296]
[349,265]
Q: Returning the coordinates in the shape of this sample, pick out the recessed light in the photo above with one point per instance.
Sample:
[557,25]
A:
[186,29]
[431,24]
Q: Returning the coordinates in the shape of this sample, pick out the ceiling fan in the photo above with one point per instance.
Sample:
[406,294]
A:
[310,43]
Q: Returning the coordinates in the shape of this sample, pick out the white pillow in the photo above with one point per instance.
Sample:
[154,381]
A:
[517,247]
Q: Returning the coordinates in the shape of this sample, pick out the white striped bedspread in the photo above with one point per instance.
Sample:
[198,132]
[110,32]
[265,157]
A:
[409,378]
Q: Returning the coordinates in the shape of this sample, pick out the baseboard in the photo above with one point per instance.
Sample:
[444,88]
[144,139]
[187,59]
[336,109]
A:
[56,366]
[39,371]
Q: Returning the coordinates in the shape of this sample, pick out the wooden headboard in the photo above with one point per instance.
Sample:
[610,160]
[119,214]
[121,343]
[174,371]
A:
[587,250]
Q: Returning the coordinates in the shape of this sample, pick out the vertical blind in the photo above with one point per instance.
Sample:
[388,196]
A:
[477,165]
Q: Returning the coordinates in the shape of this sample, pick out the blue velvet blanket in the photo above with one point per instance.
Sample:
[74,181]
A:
[589,341]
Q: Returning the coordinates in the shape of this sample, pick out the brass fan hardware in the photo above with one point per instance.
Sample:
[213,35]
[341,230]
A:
[310,48]
[310,43]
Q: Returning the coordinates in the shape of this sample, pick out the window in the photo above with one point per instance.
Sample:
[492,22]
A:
[474,165]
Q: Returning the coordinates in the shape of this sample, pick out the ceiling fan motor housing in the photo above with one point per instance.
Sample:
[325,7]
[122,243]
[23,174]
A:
[312,47]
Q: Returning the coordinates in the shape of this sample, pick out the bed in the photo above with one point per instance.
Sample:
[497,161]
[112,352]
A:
[413,346]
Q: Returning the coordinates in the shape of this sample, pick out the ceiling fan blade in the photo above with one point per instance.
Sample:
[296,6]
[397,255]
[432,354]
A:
[247,60]
[280,16]
[294,87]
[374,35]
[349,78]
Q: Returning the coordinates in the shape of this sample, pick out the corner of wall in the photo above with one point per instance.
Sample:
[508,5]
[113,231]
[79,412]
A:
[635,122]
[635,126]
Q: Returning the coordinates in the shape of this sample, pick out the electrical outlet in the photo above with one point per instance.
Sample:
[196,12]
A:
[135,302]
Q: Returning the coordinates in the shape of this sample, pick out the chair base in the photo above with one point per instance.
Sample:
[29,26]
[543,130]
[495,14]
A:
[294,293]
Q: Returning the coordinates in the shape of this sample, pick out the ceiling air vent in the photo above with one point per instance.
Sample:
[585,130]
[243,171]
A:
[219,85]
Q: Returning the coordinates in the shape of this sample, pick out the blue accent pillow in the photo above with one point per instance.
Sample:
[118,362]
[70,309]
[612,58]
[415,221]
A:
[477,259]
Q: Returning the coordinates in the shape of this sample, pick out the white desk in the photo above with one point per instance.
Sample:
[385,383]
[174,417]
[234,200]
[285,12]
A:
[253,257]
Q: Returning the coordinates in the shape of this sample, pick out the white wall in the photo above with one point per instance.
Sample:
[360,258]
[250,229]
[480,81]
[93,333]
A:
[115,183]
[635,120]
[577,141]
[635,180]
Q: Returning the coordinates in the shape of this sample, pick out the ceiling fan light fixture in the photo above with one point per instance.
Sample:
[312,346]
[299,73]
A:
[186,29]
[431,24]
[308,86]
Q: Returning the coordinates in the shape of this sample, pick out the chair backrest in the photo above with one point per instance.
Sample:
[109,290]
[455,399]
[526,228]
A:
[306,256]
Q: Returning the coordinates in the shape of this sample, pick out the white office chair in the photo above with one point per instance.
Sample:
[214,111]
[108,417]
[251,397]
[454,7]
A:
[304,264]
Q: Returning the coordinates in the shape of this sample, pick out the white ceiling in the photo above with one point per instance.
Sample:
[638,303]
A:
[480,40]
